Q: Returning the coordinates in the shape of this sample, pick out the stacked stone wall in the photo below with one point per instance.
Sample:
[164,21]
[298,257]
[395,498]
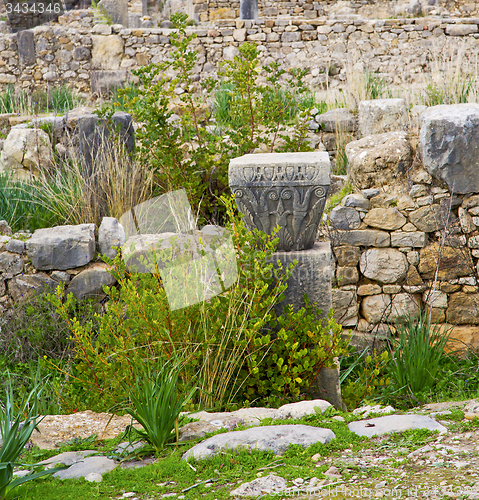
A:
[87,57]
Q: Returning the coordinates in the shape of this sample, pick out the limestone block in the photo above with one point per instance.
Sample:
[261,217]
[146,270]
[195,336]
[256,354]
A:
[107,51]
[312,275]
[435,298]
[345,306]
[347,256]
[463,337]
[276,438]
[382,115]
[365,237]
[461,29]
[337,120]
[89,283]
[101,81]
[386,265]
[26,47]
[428,219]
[379,159]
[376,308]
[28,150]
[369,289]
[15,246]
[344,218]
[404,306]
[415,239]
[11,263]
[452,262]
[413,278]
[463,309]
[23,286]
[346,275]
[385,218]
[449,145]
[62,247]
[110,234]
[356,200]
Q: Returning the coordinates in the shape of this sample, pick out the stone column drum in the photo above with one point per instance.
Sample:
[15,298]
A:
[285,189]
[289,190]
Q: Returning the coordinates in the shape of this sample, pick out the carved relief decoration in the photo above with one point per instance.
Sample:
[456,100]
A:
[297,210]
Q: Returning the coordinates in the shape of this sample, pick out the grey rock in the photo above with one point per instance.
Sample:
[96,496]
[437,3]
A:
[365,237]
[98,465]
[5,228]
[110,234]
[23,286]
[67,458]
[356,200]
[378,159]
[461,29]
[312,125]
[62,247]
[11,263]
[345,306]
[428,219]
[449,145]
[26,48]
[378,116]
[416,239]
[385,218]
[15,246]
[61,276]
[394,423]
[276,438]
[327,386]
[337,120]
[386,265]
[345,218]
[103,80]
[268,485]
[90,282]
[311,275]
[301,409]
[370,193]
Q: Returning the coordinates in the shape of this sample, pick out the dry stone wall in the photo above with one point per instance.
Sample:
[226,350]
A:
[91,56]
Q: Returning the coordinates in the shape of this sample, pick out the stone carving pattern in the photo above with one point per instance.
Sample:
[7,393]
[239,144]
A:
[295,209]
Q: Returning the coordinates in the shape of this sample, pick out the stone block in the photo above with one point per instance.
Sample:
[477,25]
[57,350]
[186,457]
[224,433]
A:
[107,51]
[378,159]
[347,256]
[344,218]
[345,306]
[461,29]
[312,275]
[11,263]
[24,286]
[449,145]
[26,48]
[382,115]
[89,283]
[337,120]
[389,219]
[415,239]
[452,262]
[376,308]
[346,275]
[62,247]
[404,306]
[15,246]
[386,265]
[429,218]
[365,237]
[463,309]
[110,234]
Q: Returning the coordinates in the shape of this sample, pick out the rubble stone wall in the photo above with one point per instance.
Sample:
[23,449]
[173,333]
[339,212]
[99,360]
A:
[86,56]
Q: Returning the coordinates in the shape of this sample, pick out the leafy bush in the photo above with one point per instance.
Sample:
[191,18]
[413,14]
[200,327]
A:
[302,345]
[213,337]
[179,141]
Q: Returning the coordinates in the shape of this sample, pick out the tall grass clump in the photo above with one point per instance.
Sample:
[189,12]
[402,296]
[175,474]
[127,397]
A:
[416,354]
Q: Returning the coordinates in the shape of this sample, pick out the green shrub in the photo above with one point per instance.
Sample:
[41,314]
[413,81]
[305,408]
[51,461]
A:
[213,338]
[289,359]
[178,140]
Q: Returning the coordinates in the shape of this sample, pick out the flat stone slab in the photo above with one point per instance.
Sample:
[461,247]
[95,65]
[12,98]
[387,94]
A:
[276,438]
[98,465]
[394,423]
[301,409]
[67,458]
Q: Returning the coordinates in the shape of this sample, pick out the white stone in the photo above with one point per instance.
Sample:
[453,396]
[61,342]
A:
[376,308]
[394,423]
[301,409]
[435,298]
[382,115]
[386,265]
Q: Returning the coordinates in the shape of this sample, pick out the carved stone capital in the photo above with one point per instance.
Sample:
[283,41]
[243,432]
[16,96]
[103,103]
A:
[282,189]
